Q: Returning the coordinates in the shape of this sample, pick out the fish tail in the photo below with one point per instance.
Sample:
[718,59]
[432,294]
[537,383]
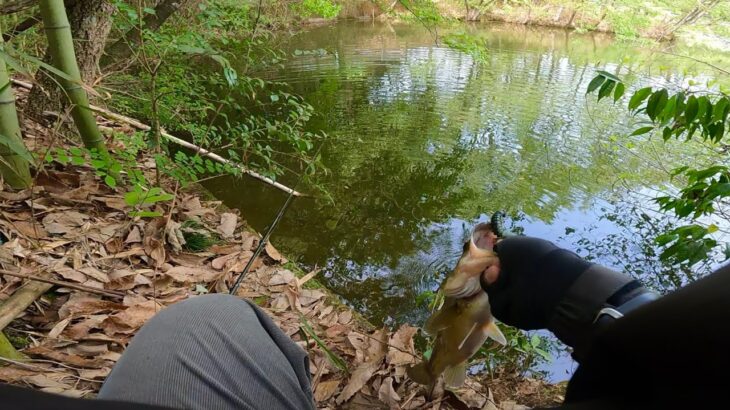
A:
[420,374]
[456,375]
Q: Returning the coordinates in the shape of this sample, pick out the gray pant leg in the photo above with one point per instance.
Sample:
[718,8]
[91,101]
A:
[212,352]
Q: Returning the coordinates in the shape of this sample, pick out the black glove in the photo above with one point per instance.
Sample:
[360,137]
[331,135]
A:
[543,286]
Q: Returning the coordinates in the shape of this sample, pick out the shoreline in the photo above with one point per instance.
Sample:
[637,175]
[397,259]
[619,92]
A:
[122,269]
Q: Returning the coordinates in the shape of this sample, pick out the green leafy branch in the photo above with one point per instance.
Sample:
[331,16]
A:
[681,114]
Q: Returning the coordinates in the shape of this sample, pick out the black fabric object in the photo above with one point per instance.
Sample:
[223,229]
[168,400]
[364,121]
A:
[20,398]
[573,319]
[535,275]
[670,353]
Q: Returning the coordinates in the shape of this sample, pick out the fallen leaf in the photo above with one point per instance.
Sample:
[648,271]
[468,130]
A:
[80,330]
[387,394]
[60,223]
[155,250]
[95,373]
[80,304]
[174,235]
[191,260]
[134,236]
[225,249]
[41,380]
[94,273]
[282,277]
[326,389]
[490,405]
[185,274]
[358,378]
[401,350]
[273,253]
[58,328]
[220,262]
[12,374]
[31,230]
[378,346]
[345,317]
[512,405]
[470,397]
[53,353]
[359,342]
[228,224]
[131,318]
[309,296]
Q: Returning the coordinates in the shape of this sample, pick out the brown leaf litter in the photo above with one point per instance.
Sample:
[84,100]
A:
[75,229]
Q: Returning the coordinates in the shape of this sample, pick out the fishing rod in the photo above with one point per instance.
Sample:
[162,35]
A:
[265,238]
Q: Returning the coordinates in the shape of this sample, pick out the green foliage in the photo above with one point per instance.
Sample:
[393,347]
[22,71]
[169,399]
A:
[682,114]
[321,8]
[469,44]
[105,167]
[197,239]
[423,11]
[333,358]
[215,102]
[140,197]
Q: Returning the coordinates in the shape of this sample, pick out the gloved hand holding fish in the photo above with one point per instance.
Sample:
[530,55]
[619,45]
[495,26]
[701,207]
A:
[464,321]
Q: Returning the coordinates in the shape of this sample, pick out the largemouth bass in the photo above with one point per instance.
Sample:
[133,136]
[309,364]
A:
[464,321]
[461,327]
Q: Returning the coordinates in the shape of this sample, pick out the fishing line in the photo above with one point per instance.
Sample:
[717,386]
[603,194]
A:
[265,238]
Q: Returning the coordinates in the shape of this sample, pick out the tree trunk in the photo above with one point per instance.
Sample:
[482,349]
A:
[90,22]
[13,168]
[124,47]
[61,52]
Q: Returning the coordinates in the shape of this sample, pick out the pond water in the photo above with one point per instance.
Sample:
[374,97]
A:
[424,141]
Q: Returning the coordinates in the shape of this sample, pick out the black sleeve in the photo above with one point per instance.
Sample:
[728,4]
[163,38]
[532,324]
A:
[18,398]
[672,351]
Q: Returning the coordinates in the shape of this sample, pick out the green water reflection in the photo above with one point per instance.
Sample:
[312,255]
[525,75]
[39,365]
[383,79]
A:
[424,141]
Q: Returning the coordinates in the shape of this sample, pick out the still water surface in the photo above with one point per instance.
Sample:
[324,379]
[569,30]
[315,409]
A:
[424,141]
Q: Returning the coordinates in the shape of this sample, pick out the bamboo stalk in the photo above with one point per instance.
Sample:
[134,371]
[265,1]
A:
[202,151]
[64,284]
[20,300]
[7,350]
[61,49]
[13,167]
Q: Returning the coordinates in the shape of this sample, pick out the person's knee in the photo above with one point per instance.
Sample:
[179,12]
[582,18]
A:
[207,309]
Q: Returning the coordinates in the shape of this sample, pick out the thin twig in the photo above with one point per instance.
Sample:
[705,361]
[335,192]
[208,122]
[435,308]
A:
[139,125]
[64,284]
[387,344]
[45,369]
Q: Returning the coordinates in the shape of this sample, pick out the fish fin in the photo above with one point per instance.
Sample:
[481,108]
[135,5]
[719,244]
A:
[474,326]
[420,374]
[456,375]
[495,334]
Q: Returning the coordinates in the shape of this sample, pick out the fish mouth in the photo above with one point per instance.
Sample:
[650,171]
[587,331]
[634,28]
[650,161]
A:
[470,287]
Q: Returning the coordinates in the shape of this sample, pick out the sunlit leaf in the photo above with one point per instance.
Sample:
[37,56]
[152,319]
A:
[595,83]
[638,97]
